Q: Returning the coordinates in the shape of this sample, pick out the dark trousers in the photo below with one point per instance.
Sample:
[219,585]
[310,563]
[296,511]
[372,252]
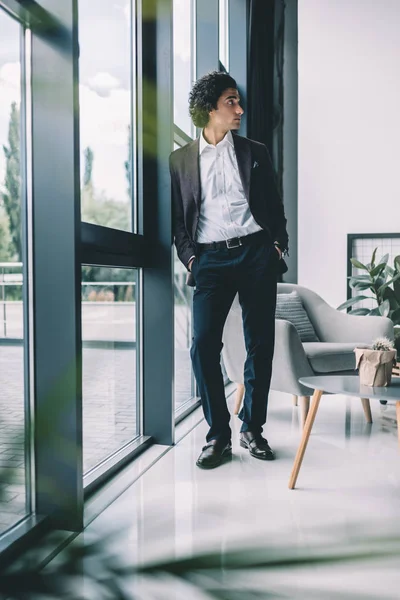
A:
[220,274]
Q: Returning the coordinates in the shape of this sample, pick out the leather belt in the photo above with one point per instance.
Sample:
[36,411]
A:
[246,240]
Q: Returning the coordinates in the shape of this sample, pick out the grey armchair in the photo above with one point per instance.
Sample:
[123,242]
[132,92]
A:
[339,333]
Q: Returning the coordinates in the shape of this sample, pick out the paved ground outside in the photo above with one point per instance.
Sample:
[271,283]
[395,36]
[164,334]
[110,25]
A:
[109,413]
[100,321]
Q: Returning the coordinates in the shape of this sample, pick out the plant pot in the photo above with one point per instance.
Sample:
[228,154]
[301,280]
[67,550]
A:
[375,366]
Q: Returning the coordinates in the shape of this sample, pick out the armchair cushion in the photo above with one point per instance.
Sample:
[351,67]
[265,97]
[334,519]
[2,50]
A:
[328,357]
[290,308]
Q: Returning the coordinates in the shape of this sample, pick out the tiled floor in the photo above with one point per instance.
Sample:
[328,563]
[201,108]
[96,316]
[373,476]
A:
[347,499]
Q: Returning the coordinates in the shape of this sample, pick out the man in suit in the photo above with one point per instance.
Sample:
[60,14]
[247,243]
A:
[230,233]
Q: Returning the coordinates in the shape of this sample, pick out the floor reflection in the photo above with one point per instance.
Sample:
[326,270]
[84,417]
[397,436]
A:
[346,503]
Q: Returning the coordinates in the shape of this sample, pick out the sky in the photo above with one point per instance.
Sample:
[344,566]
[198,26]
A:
[10,90]
[104,90]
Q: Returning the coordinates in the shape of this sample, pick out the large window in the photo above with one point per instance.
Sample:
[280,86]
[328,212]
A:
[111,417]
[109,341]
[14,491]
[105,72]
[224,33]
[184,75]
[86,368]
[185,387]
[183,62]
[184,383]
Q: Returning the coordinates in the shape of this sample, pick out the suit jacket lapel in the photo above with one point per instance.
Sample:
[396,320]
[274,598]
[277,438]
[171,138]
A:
[193,170]
[243,156]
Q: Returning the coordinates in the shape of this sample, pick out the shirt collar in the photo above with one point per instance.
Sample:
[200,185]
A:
[204,144]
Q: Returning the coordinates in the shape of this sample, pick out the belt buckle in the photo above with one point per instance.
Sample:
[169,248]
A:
[233,243]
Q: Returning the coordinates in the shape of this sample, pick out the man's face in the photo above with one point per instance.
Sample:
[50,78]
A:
[228,113]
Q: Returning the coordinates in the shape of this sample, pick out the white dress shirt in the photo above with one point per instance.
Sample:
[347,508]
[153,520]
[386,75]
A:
[224,211]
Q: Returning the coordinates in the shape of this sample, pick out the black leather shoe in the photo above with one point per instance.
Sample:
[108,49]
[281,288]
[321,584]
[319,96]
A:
[213,454]
[256,445]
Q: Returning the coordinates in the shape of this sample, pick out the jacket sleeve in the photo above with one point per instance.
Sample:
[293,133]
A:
[184,246]
[279,233]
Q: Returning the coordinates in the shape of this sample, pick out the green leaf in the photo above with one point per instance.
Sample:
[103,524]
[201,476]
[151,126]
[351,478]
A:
[359,277]
[362,285]
[360,280]
[356,263]
[396,289]
[379,281]
[385,285]
[388,294]
[377,270]
[375,312]
[389,271]
[384,308]
[373,257]
[384,259]
[395,316]
[351,301]
[360,311]
[397,263]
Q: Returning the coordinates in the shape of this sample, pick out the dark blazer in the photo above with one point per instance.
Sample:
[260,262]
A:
[259,185]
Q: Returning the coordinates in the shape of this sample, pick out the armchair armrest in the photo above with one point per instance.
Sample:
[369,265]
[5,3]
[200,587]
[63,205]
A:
[290,361]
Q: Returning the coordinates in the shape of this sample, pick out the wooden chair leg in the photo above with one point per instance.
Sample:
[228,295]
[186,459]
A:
[367,409]
[304,440]
[304,408]
[398,420]
[238,398]
[294,400]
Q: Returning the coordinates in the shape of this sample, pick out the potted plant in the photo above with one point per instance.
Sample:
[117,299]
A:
[383,283]
[375,364]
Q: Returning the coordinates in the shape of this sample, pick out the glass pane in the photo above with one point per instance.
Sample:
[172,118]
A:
[183,335]
[184,378]
[105,73]
[13,496]
[223,33]
[109,361]
[183,72]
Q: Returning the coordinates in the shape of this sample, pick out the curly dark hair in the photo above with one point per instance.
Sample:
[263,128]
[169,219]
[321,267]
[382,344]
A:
[205,94]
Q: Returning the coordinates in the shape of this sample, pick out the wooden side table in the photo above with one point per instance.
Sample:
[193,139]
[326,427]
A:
[349,385]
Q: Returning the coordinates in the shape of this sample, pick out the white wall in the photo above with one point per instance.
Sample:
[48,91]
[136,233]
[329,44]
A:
[349,133]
